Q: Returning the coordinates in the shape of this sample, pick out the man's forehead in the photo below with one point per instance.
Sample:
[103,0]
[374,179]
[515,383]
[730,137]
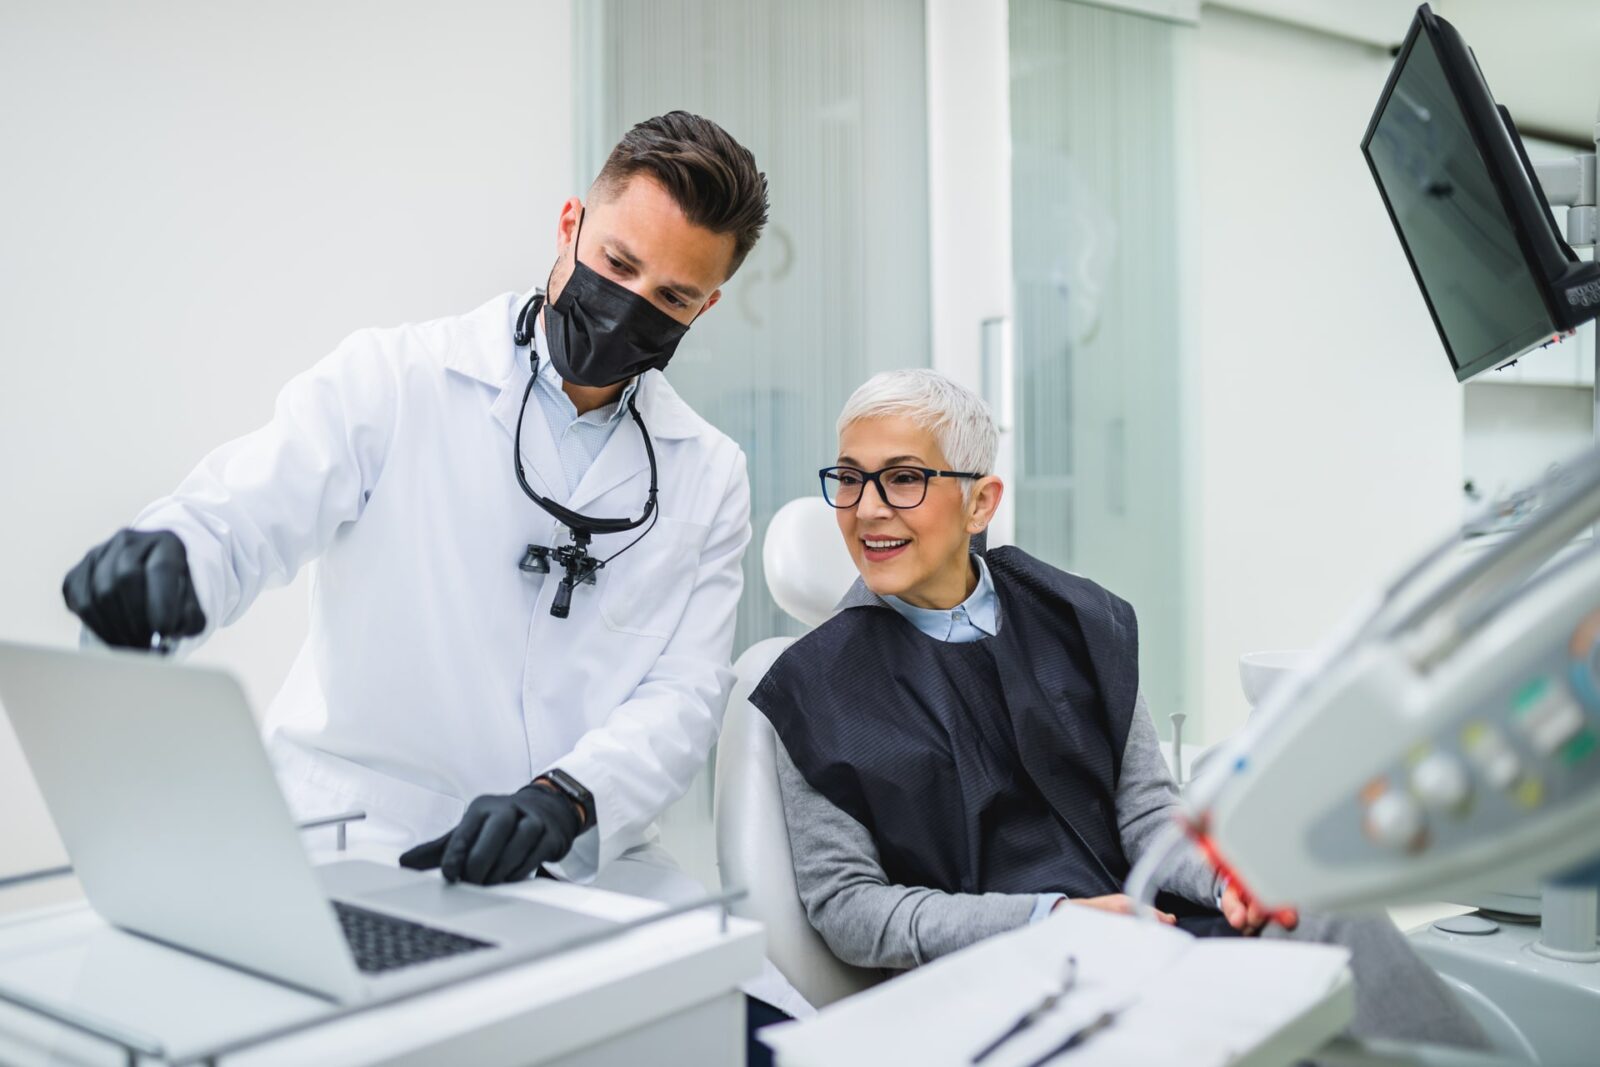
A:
[645,227]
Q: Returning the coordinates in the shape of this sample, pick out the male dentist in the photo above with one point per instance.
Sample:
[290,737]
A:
[436,690]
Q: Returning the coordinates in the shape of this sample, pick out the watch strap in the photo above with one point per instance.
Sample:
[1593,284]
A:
[574,791]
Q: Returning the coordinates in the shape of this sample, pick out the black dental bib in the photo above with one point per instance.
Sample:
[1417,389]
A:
[989,766]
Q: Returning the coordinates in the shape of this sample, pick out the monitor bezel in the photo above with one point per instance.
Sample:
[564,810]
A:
[1427,22]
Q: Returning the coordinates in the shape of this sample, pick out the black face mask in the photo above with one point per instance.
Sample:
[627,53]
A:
[600,333]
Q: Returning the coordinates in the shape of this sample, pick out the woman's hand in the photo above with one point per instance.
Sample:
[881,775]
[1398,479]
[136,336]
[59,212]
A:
[1248,917]
[1116,903]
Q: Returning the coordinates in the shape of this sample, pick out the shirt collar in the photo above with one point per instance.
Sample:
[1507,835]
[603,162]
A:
[550,384]
[980,608]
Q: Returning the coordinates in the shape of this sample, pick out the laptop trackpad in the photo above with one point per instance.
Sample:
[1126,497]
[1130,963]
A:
[435,899]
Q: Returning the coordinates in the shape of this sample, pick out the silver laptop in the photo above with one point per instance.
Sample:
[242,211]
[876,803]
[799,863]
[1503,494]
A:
[161,790]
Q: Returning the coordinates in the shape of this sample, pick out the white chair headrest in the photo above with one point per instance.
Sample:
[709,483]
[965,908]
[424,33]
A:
[807,566]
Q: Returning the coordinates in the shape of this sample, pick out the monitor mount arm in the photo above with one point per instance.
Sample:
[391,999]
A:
[1570,183]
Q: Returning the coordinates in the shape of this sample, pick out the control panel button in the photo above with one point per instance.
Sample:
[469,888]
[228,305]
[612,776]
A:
[1395,820]
[1494,756]
[1502,769]
[1441,782]
[1584,648]
[1580,747]
[1467,926]
[1547,715]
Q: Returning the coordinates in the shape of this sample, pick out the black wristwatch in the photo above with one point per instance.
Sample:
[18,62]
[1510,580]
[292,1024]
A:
[573,790]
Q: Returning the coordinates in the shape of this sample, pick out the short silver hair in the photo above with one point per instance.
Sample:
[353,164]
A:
[958,418]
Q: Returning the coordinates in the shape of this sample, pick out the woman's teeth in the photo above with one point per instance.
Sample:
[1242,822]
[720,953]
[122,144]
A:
[884,544]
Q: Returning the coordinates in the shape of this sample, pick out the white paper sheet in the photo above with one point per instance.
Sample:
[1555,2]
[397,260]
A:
[1180,1000]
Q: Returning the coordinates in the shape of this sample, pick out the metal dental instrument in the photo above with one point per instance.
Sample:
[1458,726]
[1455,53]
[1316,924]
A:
[1079,1036]
[1030,1017]
[1176,718]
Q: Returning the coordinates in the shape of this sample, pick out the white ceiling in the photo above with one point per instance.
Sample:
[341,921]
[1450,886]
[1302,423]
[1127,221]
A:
[1540,57]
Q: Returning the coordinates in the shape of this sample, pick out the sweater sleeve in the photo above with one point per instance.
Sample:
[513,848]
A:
[1146,799]
[864,918]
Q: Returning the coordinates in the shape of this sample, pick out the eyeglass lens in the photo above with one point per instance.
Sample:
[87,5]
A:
[903,487]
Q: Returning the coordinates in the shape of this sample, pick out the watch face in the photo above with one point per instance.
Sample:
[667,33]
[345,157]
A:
[568,784]
[576,793]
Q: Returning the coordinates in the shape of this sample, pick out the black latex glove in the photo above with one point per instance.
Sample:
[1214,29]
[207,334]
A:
[502,838]
[133,586]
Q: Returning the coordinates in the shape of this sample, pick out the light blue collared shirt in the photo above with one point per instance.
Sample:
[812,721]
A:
[578,438]
[973,619]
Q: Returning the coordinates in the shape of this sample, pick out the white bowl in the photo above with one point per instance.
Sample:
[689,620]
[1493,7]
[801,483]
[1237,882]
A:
[1259,671]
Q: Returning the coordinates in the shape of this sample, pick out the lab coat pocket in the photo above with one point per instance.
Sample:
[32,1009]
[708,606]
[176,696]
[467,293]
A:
[646,588]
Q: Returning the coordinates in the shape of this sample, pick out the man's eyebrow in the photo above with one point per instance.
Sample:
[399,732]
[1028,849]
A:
[624,253]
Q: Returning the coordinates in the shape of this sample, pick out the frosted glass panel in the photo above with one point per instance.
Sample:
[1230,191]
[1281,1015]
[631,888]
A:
[830,96]
[1094,209]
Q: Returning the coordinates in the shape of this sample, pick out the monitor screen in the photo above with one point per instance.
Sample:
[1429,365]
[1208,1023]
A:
[1463,244]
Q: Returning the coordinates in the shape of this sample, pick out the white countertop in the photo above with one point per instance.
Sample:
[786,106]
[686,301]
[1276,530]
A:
[529,1014]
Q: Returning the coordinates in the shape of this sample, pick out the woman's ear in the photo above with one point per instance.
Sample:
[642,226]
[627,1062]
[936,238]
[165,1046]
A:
[986,494]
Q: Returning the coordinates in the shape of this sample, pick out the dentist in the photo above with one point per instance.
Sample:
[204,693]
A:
[517,656]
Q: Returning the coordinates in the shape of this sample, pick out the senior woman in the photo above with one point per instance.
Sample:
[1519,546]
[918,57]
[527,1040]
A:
[964,744]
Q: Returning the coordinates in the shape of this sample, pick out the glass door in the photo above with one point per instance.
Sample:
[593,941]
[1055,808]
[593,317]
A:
[1098,353]
[830,96]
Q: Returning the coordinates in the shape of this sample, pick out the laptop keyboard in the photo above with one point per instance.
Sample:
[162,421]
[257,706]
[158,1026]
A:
[385,943]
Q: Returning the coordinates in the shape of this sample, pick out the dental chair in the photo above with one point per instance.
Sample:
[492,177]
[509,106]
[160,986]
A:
[807,569]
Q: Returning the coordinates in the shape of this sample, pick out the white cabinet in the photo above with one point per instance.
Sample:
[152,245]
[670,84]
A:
[1569,362]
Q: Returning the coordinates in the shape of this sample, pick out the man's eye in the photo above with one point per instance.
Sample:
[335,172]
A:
[617,265]
[674,299]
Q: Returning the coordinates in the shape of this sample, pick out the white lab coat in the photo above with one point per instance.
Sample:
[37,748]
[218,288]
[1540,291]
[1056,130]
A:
[433,671]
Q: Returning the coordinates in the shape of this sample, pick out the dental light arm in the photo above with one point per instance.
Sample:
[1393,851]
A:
[1446,739]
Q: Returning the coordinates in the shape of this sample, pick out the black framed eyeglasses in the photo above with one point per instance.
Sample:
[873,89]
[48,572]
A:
[899,487]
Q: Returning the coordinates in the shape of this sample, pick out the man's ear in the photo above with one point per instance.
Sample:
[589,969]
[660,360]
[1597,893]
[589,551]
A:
[711,302]
[567,224]
[986,494]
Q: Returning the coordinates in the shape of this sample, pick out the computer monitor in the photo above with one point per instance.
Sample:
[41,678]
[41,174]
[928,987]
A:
[1494,270]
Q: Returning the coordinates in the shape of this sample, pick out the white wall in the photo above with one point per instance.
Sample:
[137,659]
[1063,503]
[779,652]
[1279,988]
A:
[969,177]
[198,201]
[1329,425]
[969,194]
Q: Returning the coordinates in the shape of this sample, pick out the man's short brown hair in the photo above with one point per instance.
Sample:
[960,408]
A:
[708,174]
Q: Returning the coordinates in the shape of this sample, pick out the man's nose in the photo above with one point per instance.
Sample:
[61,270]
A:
[646,289]
[638,285]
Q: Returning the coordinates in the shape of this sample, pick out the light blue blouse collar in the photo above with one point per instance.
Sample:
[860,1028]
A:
[974,618]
